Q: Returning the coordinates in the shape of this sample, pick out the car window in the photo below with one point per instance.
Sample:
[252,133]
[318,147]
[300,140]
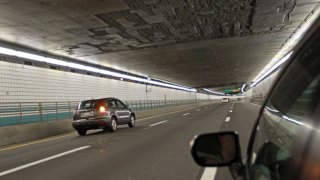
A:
[111,103]
[285,117]
[300,107]
[90,104]
[85,105]
[120,104]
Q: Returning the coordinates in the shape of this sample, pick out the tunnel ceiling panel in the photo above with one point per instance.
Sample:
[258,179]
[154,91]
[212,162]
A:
[193,42]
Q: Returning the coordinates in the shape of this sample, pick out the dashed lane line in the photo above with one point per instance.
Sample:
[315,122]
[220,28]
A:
[186,114]
[158,123]
[209,173]
[227,119]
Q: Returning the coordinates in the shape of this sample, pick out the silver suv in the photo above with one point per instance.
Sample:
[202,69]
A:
[105,114]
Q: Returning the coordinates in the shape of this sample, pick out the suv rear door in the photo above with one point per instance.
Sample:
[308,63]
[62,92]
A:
[123,112]
[87,109]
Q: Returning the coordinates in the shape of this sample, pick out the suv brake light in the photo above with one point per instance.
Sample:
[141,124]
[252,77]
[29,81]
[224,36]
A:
[102,109]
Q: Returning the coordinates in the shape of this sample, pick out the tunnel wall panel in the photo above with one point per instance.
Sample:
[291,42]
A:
[23,83]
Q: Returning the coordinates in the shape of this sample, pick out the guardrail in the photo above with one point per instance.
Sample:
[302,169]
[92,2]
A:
[32,112]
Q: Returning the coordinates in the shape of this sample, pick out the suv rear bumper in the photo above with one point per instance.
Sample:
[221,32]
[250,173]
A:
[91,124]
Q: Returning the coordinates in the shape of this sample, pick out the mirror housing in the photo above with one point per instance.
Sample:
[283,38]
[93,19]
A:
[216,149]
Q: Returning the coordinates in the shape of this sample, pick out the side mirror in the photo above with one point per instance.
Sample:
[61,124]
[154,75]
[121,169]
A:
[216,149]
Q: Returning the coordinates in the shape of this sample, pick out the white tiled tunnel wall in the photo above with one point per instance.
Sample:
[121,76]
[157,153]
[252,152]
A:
[22,83]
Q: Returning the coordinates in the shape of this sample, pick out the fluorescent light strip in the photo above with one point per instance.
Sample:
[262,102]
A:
[213,91]
[275,66]
[168,82]
[38,58]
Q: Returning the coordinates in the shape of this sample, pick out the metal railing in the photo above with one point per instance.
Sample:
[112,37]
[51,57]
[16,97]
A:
[32,112]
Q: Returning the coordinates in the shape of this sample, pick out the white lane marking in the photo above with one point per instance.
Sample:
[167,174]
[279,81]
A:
[198,109]
[164,114]
[209,173]
[230,110]
[186,114]
[158,123]
[227,119]
[255,104]
[254,157]
[42,161]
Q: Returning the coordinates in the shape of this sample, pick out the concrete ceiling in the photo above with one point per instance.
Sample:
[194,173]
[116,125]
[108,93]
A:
[199,43]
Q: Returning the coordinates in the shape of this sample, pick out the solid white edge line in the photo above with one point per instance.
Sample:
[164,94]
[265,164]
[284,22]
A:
[41,161]
[198,109]
[209,173]
[230,110]
[227,119]
[158,123]
[185,114]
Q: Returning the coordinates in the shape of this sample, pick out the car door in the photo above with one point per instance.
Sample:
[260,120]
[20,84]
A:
[280,143]
[112,106]
[122,112]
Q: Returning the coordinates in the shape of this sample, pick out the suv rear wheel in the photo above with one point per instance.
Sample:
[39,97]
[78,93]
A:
[82,132]
[113,126]
[132,122]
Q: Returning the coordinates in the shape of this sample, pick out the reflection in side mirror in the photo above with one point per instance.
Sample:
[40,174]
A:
[216,149]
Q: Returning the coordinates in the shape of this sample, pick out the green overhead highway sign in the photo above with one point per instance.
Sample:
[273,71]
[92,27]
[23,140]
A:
[232,91]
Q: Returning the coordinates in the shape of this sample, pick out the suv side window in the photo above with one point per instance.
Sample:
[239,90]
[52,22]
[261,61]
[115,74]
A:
[111,103]
[286,117]
[120,104]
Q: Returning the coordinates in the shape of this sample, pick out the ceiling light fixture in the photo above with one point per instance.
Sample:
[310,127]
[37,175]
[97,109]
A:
[39,58]
[214,92]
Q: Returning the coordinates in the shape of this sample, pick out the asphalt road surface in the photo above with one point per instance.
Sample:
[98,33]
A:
[157,148]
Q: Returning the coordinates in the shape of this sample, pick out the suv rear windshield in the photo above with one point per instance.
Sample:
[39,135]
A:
[90,104]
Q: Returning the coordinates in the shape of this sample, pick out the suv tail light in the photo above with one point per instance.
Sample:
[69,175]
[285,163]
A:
[102,109]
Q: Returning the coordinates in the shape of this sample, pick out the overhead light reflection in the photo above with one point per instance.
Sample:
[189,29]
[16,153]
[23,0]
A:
[275,66]
[242,88]
[292,120]
[291,42]
[273,110]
